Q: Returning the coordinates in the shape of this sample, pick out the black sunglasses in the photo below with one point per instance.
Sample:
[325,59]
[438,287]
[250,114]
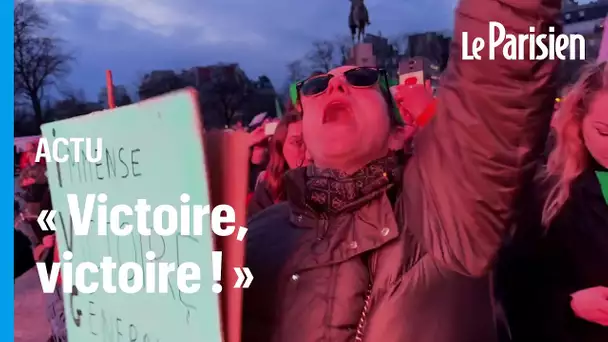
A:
[358,77]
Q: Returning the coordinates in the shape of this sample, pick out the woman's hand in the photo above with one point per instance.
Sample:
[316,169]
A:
[412,100]
[591,304]
[257,136]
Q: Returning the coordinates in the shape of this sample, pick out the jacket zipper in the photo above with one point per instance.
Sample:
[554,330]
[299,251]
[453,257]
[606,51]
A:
[362,319]
[368,296]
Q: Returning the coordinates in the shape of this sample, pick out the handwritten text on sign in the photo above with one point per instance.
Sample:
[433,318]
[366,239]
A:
[151,151]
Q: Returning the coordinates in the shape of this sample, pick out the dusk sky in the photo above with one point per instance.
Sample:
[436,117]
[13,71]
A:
[132,37]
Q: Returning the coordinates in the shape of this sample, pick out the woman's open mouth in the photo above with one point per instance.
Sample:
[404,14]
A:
[337,112]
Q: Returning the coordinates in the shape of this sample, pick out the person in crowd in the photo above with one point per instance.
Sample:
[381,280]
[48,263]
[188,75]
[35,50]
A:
[23,256]
[238,126]
[259,154]
[35,192]
[16,159]
[28,157]
[367,249]
[287,151]
[553,278]
[24,259]
[37,196]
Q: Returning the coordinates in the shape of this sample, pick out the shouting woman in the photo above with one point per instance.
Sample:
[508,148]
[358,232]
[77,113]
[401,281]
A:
[367,249]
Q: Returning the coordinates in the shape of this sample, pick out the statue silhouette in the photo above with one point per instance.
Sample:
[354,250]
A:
[358,19]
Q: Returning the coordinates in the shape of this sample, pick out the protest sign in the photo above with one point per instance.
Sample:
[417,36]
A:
[152,150]
[411,71]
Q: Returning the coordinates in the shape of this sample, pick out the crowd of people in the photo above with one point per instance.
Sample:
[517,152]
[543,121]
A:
[382,213]
[33,244]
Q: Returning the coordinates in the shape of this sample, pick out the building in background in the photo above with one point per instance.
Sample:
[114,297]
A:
[226,94]
[587,20]
[387,57]
[434,46]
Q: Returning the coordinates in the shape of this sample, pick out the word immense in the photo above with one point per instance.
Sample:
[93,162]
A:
[516,46]
[221,214]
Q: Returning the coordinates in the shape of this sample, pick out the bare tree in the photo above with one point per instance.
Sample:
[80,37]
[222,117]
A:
[73,103]
[321,56]
[123,99]
[227,96]
[121,96]
[296,71]
[344,45]
[39,60]
[400,44]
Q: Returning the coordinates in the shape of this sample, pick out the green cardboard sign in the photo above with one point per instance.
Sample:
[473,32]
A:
[152,150]
[602,176]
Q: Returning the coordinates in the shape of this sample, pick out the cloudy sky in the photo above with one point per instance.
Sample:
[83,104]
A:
[131,37]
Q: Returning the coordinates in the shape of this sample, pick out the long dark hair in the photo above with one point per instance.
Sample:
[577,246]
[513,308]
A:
[277,165]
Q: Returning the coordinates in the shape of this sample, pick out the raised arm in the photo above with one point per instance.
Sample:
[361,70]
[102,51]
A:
[472,160]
